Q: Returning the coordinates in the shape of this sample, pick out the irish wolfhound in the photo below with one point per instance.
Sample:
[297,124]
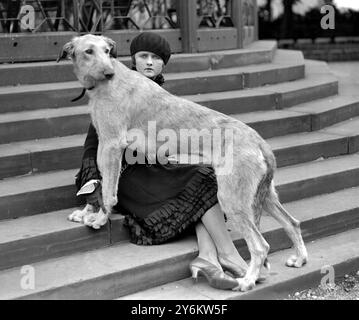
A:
[122,100]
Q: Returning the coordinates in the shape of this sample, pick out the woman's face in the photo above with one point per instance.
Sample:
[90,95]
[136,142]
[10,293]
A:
[148,63]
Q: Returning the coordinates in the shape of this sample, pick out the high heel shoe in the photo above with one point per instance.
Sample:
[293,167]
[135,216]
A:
[216,277]
[237,271]
[233,268]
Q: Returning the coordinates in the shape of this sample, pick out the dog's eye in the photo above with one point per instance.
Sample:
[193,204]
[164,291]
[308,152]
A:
[107,51]
[89,51]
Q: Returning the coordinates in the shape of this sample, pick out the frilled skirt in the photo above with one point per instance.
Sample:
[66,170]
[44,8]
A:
[161,202]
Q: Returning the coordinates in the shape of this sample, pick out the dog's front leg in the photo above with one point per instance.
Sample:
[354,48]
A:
[110,159]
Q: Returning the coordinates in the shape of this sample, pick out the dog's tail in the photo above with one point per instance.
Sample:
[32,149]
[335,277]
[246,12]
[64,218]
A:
[266,186]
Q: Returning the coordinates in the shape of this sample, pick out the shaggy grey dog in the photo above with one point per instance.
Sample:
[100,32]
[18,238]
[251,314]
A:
[123,101]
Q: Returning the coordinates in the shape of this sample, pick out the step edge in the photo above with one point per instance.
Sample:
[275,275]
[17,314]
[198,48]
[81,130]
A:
[277,290]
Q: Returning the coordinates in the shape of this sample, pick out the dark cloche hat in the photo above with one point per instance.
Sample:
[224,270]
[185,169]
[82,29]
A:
[152,42]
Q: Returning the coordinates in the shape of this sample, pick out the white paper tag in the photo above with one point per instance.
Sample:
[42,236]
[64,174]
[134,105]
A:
[88,187]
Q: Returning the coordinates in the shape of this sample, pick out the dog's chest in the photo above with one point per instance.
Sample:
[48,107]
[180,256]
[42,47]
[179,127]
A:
[105,115]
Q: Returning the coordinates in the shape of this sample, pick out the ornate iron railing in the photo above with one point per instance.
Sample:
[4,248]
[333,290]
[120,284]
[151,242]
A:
[101,15]
[42,26]
[86,15]
[215,13]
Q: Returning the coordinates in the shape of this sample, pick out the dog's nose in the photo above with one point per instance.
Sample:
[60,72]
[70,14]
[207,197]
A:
[109,75]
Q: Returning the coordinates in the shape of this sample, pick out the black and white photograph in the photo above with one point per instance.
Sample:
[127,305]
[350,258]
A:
[173,156]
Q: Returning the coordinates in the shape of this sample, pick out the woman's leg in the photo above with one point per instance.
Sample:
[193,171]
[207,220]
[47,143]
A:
[206,247]
[215,225]
[207,262]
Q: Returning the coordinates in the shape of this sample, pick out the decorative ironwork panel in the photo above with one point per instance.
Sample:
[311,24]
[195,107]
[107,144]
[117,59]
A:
[153,14]
[214,13]
[86,15]
[39,28]
[35,15]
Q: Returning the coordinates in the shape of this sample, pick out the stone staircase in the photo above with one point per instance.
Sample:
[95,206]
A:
[292,102]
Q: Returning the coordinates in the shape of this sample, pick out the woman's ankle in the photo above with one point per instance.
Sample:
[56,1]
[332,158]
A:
[230,255]
[210,258]
[233,257]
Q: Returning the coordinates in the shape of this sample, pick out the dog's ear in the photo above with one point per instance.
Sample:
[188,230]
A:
[113,49]
[67,50]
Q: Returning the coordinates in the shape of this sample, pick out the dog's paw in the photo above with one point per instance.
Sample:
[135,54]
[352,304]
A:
[296,262]
[99,222]
[96,220]
[89,219]
[76,216]
[244,284]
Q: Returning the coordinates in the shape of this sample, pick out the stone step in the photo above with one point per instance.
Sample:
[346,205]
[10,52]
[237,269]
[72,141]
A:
[28,195]
[35,238]
[317,177]
[41,155]
[304,147]
[43,123]
[46,192]
[339,252]
[350,129]
[275,123]
[296,92]
[316,115]
[60,94]
[61,153]
[259,52]
[269,97]
[46,123]
[329,111]
[129,268]
[200,82]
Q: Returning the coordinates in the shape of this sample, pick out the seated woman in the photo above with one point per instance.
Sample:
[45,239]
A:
[160,202]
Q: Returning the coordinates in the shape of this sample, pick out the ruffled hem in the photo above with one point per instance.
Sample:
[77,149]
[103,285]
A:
[178,214]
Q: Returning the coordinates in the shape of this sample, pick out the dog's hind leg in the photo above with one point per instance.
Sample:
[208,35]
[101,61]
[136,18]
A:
[235,198]
[258,248]
[290,225]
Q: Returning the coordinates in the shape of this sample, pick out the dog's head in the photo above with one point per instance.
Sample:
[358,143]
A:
[91,56]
